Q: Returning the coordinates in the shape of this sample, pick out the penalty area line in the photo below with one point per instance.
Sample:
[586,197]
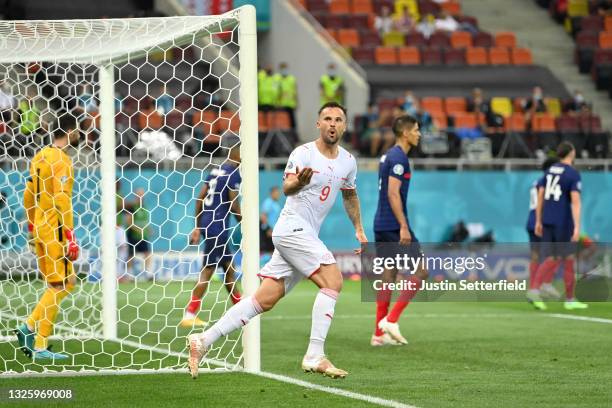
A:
[582,318]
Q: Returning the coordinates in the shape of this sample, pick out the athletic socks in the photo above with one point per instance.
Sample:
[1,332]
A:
[569,278]
[237,316]
[193,307]
[383,300]
[322,315]
[547,267]
[404,299]
[45,314]
[533,268]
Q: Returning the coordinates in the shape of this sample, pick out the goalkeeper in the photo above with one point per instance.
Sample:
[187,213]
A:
[48,204]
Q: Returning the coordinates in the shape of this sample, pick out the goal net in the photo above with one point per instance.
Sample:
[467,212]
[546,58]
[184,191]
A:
[160,103]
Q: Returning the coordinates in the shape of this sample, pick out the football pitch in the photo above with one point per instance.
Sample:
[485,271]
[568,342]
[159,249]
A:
[460,354]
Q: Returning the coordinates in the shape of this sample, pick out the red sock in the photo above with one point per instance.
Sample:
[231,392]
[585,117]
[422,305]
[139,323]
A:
[533,268]
[404,300]
[194,305]
[383,301]
[569,277]
[550,274]
[235,296]
[549,264]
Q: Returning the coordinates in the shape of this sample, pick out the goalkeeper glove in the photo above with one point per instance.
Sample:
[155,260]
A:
[72,248]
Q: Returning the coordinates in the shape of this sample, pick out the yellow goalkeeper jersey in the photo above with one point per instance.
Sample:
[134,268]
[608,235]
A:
[48,193]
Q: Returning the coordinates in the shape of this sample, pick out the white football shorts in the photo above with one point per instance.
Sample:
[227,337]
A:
[296,257]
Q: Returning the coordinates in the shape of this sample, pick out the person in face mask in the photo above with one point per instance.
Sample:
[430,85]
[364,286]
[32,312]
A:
[535,104]
[331,86]
[577,102]
[287,92]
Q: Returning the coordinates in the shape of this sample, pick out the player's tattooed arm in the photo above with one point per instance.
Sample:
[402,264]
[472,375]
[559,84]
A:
[352,207]
[293,183]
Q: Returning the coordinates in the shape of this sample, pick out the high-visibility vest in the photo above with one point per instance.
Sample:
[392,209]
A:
[268,89]
[30,118]
[330,89]
[287,96]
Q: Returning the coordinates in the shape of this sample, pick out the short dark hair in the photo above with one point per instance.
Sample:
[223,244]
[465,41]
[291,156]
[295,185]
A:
[400,123]
[332,105]
[548,163]
[564,149]
[65,122]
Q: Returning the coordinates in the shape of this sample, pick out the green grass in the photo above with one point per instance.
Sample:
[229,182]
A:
[460,354]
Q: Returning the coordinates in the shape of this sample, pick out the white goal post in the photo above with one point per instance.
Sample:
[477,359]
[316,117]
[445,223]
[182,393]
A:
[137,53]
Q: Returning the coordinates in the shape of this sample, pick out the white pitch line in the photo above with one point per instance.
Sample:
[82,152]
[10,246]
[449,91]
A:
[582,318]
[411,315]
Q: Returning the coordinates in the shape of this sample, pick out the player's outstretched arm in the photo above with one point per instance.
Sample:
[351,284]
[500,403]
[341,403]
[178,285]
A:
[352,206]
[293,183]
[576,203]
[538,213]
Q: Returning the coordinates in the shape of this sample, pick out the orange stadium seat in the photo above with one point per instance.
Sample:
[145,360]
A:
[262,121]
[466,120]
[608,23]
[339,7]
[476,56]
[454,105]
[279,120]
[605,39]
[505,39]
[521,56]
[348,37]
[543,123]
[517,104]
[229,120]
[516,122]
[432,104]
[499,56]
[333,34]
[440,120]
[451,7]
[386,55]
[150,119]
[409,55]
[362,7]
[461,39]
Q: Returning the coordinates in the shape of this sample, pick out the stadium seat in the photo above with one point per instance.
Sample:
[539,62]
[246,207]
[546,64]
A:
[439,120]
[409,55]
[369,38]
[499,56]
[521,56]
[262,122]
[601,71]
[605,39]
[386,104]
[339,7]
[203,120]
[428,7]
[379,4]
[454,56]
[335,21]
[393,39]
[586,43]
[505,39]
[415,39]
[567,124]
[454,105]
[608,23]
[471,20]
[451,7]
[361,6]
[150,119]
[516,123]
[501,106]
[364,55]
[461,39]
[577,8]
[228,120]
[543,123]
[553,106]
[482,39]
[476,56]
[279,120]
[439,39]
[333,34]
[411,5]
[359,22]
[348,37]
[317,6]
[591,23]
[517,104]
[432,104]
[466,120]
[386,55]
[431,56]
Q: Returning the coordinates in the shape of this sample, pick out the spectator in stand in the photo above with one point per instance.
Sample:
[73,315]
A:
[375,134]
[576,104]
[267,89]
[410,103]
[446,22]
[535,104]
[383,23]
[427,26]
[494,122]
[164,103]
[331,86]
[604,7]
[424,118]
[287,95]
[404,23]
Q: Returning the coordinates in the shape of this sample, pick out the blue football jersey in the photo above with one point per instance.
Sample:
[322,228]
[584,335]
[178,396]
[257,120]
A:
[392,164]
[533,203]
[216,209]
[558,182]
